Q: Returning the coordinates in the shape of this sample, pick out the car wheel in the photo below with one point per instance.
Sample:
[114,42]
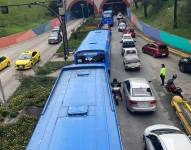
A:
[182,68]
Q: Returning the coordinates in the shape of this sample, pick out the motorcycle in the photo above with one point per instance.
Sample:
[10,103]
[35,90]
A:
[116,91]
[170,87]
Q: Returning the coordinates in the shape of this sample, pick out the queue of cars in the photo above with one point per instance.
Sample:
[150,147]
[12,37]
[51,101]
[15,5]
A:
[139,95]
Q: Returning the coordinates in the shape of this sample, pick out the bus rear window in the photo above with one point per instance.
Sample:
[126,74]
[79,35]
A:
[90,57]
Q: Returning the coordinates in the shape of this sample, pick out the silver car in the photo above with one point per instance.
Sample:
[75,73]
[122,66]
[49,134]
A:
[54,37]
[131,59]
[165,137]
[121,27]
[138,95]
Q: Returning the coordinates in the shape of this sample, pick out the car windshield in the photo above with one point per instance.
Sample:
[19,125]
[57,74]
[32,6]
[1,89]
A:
[141,92]
[122,24]
[166,131]
[54,34]
[162,46]
[128,44]
[90,57]
[55,30]
[25,56]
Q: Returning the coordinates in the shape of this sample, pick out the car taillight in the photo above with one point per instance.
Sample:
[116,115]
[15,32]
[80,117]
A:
[153,102]
[133,102]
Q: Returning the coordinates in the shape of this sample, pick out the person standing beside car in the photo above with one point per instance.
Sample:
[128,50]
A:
[162,74]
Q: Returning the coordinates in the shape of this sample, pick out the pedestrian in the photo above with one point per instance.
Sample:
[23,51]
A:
[162,74]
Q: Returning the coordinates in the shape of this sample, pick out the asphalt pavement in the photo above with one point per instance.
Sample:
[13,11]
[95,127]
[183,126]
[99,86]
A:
[9,76]
[132,125]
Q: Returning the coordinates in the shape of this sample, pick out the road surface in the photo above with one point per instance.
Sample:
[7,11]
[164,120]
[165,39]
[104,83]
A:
[132,125]
[9,76]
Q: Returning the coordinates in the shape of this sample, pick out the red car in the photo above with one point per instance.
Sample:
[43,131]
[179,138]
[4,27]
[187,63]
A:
[129,31]
[156,49]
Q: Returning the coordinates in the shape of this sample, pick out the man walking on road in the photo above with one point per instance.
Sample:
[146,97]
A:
[162,73]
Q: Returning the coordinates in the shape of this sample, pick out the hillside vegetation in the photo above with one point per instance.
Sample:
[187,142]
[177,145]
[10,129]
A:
[160,15]
[22,17]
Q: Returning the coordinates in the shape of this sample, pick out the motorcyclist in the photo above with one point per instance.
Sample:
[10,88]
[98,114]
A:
[171,86]
[170,82]
[115,84]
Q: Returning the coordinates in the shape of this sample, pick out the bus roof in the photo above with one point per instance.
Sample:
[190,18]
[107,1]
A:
[79,113]
[95,40]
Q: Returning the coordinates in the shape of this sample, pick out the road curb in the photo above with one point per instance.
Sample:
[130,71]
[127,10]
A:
[172,50]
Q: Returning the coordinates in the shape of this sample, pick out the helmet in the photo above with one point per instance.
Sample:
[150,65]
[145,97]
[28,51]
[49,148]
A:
[114,80]
[174,76]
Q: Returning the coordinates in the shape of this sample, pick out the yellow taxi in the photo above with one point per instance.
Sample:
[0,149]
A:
[4,62]
[27,59]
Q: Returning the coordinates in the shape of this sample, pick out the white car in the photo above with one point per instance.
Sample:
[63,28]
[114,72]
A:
[127,43]
[165,137]
[131,60]
[125,37]
[139,96]
[121,27]
[54,38]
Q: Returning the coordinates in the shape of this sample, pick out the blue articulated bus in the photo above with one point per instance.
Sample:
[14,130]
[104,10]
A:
[107,17]
[79,113]
[95,48]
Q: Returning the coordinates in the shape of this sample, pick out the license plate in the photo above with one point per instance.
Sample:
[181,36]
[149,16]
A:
[143,104]
[163,54]
[20,67]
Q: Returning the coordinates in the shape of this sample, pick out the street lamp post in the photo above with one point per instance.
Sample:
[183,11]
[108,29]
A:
[82,8]
[175,14]
[42,4]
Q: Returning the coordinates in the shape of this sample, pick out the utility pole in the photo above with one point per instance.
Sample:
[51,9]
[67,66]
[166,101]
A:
[3,95]
[82,8]
[5,10]
[62,11]
[175,13]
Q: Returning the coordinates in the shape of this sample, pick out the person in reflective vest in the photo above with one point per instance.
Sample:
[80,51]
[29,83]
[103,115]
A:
[162,73]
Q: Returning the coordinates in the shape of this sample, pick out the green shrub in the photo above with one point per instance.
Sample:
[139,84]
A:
[13,114]
[51,67]
[5,113]
[33,91]
[16,136]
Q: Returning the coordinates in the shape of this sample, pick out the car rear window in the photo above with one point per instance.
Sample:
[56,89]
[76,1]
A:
[128,44]
[162,46]
[141,92]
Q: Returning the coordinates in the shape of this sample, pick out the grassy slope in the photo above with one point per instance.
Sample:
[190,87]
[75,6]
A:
[21,18]
[163,19]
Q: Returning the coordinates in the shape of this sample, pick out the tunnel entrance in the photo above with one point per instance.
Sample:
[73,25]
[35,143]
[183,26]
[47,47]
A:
[116,6]
[82,9]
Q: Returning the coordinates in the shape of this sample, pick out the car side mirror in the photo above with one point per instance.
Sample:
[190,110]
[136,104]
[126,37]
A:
[189,136]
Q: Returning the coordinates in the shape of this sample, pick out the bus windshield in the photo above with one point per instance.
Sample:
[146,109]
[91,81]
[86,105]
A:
[107,15]
[90,57]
